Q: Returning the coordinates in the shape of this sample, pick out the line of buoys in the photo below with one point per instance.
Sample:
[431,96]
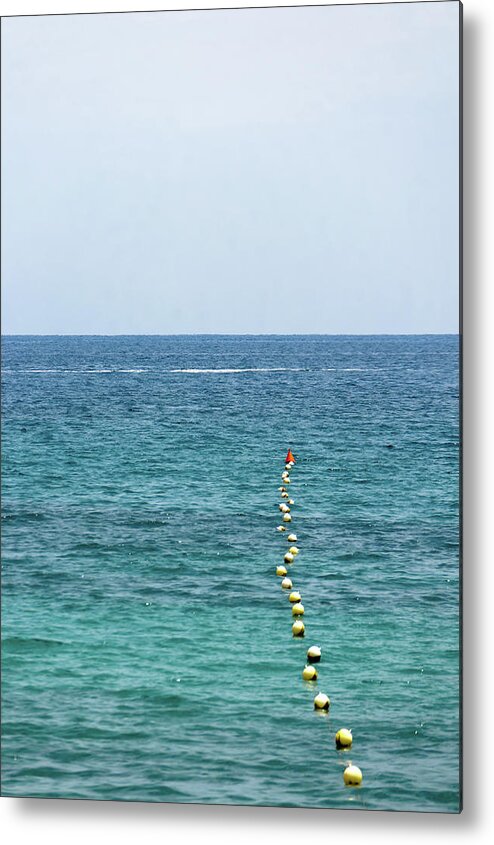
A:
[352,775]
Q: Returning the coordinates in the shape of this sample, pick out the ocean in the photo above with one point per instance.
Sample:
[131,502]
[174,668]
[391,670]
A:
[146,641]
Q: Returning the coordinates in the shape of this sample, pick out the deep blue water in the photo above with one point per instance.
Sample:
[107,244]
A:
[147,646]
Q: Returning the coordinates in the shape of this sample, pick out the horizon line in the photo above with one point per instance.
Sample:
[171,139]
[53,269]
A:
[236,334]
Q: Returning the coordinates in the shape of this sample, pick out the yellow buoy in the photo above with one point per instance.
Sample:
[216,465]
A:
[287,480]
[286,584]
[293,550]
[281,570]
[295,597]
[288,558]
[352,776]
[298,609]
[309,673]
[343,738]
[292,538]
[314,654]
[287,517]
[288,465]
[298,628]
[321,701]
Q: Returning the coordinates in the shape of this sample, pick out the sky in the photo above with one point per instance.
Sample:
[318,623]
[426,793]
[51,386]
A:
[290,170]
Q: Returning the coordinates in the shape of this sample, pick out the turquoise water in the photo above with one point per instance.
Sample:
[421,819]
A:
[147,646]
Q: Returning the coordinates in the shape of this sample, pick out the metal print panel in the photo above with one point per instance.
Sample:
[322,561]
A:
[231,425]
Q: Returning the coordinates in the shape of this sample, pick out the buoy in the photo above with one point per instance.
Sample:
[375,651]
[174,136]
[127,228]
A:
[309,673]
[281,528]
[284,508]
[281,570]
[285,474]
[288,558]
[281,489]
[295,597]
[281,506]
[286,584]
[314,654]
[290,456]
[298,609]
[284,495]
[321,701]
[287,480]
[293,550]
[352,776]
[287,517]
[298,628]
[292,538]
[343,738]
[290,501]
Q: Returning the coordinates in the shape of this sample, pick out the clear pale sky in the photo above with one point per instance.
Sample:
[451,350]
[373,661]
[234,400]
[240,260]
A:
[245,171]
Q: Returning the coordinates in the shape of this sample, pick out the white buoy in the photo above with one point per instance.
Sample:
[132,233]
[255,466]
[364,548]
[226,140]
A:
[281,506]
[287,517]
[284,495]
[286,584]
[309,673]
[284,508]
[281,528]
[293,550]
[352,776]
[343,738]
[298,628]
[295,597]
[298,609]
[281,489]
[281,570]
[287,480]
[290,501]
[314,654]
[292,538]
[321,701]
[288,558]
